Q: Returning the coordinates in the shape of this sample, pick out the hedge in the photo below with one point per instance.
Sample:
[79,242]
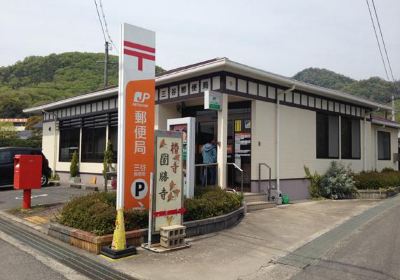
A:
[96,212]
[211,203]
[377,180]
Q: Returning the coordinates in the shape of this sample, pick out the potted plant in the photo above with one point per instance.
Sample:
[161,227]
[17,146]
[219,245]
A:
[74,169]
[107,163]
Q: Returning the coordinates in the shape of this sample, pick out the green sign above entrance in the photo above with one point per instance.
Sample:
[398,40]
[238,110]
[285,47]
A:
[212,100]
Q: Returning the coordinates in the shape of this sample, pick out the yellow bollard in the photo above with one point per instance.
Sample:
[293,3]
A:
[119,238]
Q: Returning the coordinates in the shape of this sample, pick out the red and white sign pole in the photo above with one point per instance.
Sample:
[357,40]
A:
[135,123]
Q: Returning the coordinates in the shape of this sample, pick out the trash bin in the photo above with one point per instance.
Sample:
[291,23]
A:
[285,199]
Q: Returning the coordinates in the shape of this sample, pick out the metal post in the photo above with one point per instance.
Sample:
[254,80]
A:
[269,185]
[206,175]
[393,109]
[106,64]
[150,211]
[259,177]
[241,185]
[26,202]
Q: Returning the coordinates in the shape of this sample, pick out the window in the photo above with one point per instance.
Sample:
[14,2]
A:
[6,157]
[69,143]
[113,137]
[327,136]
[93,144]
[350,133]
[384,145]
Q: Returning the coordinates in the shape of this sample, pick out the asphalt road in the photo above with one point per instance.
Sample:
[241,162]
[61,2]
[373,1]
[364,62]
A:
[10,198]
[372,251]
[16,265]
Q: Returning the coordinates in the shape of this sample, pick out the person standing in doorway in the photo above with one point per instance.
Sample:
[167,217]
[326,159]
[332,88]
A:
[209,153]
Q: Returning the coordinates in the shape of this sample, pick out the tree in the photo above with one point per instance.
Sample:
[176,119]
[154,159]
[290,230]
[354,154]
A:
[7,131]
[107,162]
[42,79]
[74,167]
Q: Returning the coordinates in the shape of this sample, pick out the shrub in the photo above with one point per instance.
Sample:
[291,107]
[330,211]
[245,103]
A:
[96,212]
[74,168]
[107,162]
[90,213]
[211,203]
[337,182]
[375,180]
[315,182]
[387,169]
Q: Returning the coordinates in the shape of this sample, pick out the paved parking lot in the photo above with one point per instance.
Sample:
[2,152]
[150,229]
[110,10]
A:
[10,198]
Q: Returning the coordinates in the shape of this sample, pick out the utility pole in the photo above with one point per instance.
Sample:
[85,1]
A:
[393,110]
[106,65]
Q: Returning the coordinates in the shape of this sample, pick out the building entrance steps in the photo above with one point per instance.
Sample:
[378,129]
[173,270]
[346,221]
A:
[257,201]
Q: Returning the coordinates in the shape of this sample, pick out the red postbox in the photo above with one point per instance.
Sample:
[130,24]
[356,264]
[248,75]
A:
[27,175]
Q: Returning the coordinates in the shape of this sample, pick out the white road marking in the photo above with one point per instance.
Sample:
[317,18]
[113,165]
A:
[32,196]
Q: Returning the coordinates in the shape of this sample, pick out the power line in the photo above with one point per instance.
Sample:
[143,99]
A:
[101,23]
[377,39]
[383,41]
[106,26]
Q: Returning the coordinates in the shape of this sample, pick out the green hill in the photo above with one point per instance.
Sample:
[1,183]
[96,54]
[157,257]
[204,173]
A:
[42,79]
[374,88]
[37,80]
[324,78]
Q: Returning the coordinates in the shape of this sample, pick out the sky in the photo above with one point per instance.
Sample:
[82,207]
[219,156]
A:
[280,36]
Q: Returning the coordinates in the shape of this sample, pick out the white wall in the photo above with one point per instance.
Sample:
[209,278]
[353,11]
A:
[48,142]
[380,164]
[263,141]
[298,143]
[163,113]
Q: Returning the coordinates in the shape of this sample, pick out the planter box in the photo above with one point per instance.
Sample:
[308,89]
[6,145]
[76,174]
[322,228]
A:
[376,194]
[93,243]
[89,241]
[74,180]
[214,224]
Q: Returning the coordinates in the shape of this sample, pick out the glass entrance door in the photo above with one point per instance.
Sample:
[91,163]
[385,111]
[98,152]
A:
[206,132]
[239,139]
[239,144]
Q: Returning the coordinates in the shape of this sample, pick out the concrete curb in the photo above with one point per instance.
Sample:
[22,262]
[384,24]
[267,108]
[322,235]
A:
[89,241]
[214,224]
[92,243]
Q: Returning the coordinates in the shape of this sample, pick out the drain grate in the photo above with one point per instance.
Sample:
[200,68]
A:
[88,267]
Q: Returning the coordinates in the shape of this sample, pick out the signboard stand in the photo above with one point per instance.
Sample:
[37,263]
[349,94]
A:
[150,211]
[187,126]
[136,95]
[166,206]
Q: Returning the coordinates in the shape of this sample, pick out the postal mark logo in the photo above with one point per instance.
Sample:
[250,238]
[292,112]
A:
[140,97]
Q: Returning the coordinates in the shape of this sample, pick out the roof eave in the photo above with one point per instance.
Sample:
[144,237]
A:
[384,123]
[306,87]
[220,65]
[72,100]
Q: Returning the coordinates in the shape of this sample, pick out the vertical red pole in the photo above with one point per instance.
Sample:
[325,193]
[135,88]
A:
[26,202]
